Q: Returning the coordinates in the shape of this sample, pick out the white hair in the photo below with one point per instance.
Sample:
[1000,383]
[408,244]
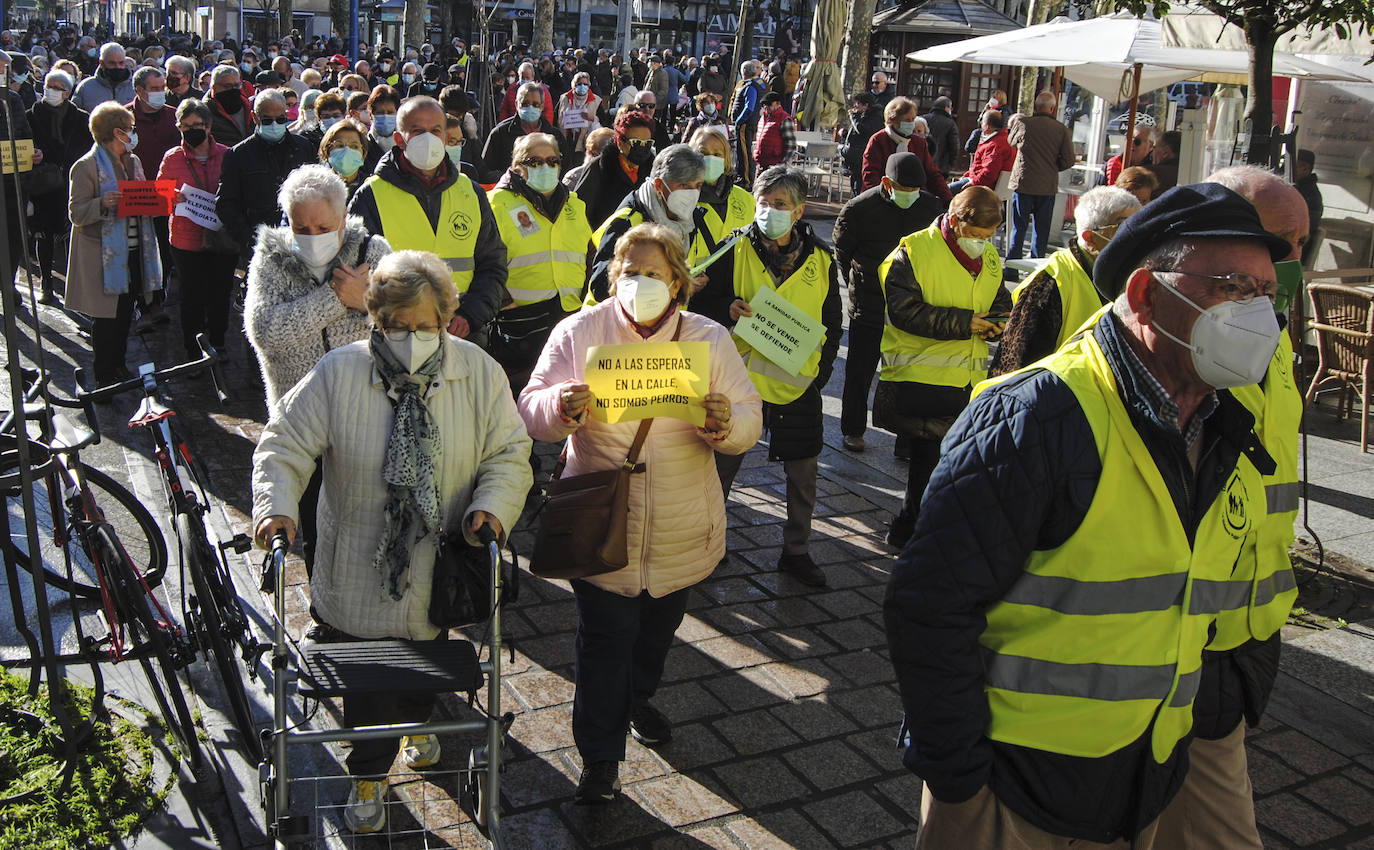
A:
[268,96]
[62,77]
[1097,207]
[109,48]
[749,68]
[181,64]
[311,184]
[222,71]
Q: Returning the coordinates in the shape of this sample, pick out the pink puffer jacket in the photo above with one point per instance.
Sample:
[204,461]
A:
[677,511]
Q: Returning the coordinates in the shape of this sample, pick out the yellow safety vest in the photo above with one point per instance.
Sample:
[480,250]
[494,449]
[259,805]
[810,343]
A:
[1077,297]
[695,253]
[550,261]
[1103,635]
[806,289]
[944,283]
[1261,593]
[739,211]
[406,227]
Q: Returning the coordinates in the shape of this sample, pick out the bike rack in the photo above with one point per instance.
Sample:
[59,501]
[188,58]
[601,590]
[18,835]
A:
[333,669]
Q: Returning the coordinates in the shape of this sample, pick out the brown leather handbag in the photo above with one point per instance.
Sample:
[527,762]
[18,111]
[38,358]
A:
[584,519]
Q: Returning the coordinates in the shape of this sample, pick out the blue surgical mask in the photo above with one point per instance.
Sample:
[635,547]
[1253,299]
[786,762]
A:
[581,89]
[272,132]
[383,125]
[773,223]
[329,122]
[455,154]
[345,161]
[906,128]
[407,78]
[529,114]
[542,178]
[715,167]
[903,198]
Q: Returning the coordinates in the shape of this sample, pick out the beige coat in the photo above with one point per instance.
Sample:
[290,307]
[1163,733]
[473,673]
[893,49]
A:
[85,271]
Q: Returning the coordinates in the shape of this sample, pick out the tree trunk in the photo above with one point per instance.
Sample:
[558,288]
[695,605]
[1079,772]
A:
[543,27]
[1037,12]
[415,23]
[856,46]
[340,19]
[744,36]
[284,14]
[1259,106]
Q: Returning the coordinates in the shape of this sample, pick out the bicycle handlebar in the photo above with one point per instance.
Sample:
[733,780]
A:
[148,381]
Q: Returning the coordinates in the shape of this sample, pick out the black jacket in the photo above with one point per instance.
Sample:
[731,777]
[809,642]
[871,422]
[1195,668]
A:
[861,129]
[795,430]
[479,304]
[223,127]
[868,229]
[1036,319]
[1018,474]
[943,139]
[605,184]
[496,156]
[253,171]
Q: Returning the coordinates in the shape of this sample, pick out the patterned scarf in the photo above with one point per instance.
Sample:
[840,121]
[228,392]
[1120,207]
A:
[412,493]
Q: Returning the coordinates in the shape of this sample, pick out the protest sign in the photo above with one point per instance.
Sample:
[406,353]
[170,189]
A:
[780,331]
[199,207]
[146,197]
[23,148]
[639,380]
[574,119]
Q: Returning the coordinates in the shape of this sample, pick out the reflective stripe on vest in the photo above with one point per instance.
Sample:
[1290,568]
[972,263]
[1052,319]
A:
[1277,408]
[944,283]
[805,289]
[696,252]
[550,261]
[1100,643]
[1077,298]
[406,227]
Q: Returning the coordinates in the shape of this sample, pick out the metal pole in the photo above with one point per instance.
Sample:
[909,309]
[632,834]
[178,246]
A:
[353,30]
[626,42]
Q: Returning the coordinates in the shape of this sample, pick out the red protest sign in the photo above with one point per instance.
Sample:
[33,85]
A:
[146,197]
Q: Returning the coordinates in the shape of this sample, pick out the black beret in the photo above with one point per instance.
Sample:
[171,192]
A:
[1199,211]
[906,170]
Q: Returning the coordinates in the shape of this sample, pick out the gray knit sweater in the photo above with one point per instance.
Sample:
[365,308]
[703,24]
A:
[290,318]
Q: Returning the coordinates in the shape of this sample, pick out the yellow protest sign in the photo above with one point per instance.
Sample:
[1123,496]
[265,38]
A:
[780,331]
[639,380]
[22,147]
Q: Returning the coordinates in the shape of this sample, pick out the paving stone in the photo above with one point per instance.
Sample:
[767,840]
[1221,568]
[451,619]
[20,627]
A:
[875,706]
[621,820]
[539,828]
[781,585]
[680,799]
[541,689]
[684,663]
[1270,841]
[1300,751]
[844,603]
[764,535]
[734,619]
[546,729]
[813,718]
[854,634]
[829,765]
[687,701]
[1296,820]
[865,667]
[804,677]
[780,830]
[904,790]
[765,560]
[1351,803]
[1360,775]
[696,745]
[743,690]
[1268,774]
[800,642]
[754,732]
[537,779]
[760,782]
[880,746]
[696,838]
[734,653]
[793,612]
[853,818]
[726,591]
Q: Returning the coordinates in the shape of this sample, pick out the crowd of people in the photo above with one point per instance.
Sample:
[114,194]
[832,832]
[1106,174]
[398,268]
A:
[422,290]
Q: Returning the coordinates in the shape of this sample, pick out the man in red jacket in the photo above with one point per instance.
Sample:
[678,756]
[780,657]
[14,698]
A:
[993,156]
[900,136]
[775,138]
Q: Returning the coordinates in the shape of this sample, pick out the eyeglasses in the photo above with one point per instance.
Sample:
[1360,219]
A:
[640,143]
[189,127]
[646,107]
[1107,231]
[428,334]
[1237,286]
[459,143]
[280,119]
[535,162]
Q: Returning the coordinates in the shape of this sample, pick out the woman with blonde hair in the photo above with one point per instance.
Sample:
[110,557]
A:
[676,530]
[113,259]
[728,206]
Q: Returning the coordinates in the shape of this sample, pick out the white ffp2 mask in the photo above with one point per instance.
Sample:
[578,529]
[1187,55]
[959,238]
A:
[644,298]
[1232,342]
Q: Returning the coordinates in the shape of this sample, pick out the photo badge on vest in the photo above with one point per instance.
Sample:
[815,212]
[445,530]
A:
[524,220]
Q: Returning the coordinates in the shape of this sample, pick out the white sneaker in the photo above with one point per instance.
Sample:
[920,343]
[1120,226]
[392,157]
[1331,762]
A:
[419,751]
[366,809]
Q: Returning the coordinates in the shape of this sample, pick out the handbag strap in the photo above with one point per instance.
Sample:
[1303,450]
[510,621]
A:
[643,431]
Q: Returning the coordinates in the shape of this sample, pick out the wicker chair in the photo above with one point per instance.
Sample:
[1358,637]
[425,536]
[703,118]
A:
[1343,319]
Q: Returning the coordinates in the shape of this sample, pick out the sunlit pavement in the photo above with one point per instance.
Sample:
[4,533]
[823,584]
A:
[782,697]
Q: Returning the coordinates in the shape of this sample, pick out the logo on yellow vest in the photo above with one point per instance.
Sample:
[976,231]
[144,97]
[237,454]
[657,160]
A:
[460,224]
[1236,514]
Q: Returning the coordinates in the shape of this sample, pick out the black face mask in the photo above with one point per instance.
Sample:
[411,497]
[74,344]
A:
[114,75]
[230,100]
[640,154]
[193,137]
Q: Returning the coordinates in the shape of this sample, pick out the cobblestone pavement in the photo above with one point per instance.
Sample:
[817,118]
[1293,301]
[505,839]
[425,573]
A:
[782,697]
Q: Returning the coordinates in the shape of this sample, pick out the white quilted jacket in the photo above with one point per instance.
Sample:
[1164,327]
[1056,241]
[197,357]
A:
[677,511]
[340,411]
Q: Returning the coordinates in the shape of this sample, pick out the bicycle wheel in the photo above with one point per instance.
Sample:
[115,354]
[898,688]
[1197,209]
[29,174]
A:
[132,524]
[215,597]
[150,646]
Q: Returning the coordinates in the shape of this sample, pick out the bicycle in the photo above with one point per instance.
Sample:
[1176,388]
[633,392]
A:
[214,614]
[138,627]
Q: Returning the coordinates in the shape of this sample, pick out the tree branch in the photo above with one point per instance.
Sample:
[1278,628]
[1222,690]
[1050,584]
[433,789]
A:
[1224,12]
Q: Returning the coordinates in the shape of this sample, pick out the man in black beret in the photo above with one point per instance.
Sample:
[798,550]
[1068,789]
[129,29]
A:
[1082,530]
[868,228]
